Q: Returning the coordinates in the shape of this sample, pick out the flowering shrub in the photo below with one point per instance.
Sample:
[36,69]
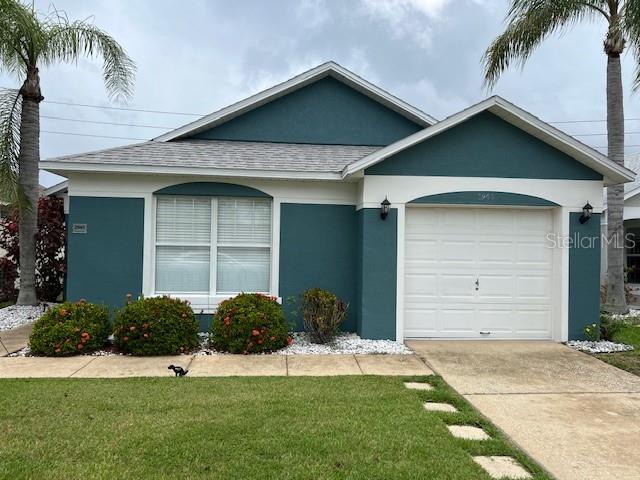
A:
[249,323]
[70,329]
[50,242]
[156,326]
[322,313]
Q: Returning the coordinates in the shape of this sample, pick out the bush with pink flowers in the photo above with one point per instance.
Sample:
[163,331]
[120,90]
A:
[156,326]
[70,329]
[249,323]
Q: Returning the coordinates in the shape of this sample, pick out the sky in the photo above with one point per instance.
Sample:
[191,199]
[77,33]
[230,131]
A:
[196,57]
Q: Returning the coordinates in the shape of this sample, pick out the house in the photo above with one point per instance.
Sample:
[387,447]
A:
[631,229]
[457,228]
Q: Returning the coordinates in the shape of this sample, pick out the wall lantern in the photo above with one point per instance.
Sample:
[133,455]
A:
[385,205]
[586,213]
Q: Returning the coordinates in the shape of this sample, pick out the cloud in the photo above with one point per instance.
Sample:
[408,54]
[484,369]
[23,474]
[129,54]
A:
[409,19]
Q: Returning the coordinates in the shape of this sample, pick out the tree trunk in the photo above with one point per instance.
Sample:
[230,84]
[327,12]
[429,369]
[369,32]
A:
[616,300]
[28,167]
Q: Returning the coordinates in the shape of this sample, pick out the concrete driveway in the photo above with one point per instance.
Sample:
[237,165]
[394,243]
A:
[577,416]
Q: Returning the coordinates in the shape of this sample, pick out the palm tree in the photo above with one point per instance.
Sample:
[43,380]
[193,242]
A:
[529,22]
[29,41]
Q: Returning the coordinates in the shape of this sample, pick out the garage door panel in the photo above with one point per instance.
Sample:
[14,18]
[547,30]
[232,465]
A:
[495,286]
[447,249]
[456,286]
[423,285]
[456,320]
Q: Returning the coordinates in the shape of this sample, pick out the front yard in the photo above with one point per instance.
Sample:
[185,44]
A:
[629,361]
[238,428]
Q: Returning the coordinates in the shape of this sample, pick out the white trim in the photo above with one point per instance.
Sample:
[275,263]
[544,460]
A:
[207,302]
[400,274]
[55,167]
[57,188]
[275,247]
[562,258]
[326,69]
[613,172]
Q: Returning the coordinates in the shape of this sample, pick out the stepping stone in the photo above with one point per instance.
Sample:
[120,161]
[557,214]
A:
[502,467]
[467,432]
[439,407]
[418,386]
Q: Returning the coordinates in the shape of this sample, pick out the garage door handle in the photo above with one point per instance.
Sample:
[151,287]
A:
[477,284]
[485,333]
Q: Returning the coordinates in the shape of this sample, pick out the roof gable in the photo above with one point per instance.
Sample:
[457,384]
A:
[324,112]
[484,146]
[329,69]
[517,117]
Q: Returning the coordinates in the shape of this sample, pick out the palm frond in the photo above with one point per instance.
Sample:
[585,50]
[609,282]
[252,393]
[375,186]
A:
[68,41]
[19,29]
[10,110]
[630,25]
[529,23]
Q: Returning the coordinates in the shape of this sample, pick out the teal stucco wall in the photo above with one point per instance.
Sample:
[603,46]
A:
[318,249]
[324,112]
[212,189]
[484,146]
[377,274]
[484,198]
[105,264]
[584,274]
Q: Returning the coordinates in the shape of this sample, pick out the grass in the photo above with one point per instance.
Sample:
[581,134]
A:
[238,428]
[6,303]
[629,361]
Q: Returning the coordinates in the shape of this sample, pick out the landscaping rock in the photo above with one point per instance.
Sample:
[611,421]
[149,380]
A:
[16,315]
[601,346]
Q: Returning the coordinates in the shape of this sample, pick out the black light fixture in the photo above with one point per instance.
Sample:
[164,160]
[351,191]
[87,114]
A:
[586,213]
[385,205]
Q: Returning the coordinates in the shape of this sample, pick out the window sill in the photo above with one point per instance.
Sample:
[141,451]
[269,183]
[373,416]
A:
[203,303]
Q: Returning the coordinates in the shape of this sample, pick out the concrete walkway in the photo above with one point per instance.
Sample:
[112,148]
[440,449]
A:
[14,339]
[118,366]
[577,416]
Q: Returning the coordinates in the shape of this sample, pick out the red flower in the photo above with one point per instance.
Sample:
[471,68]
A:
[80,346]
[146,335]
[126,339]
[145,325]
[289,340]
[57,350]
[255,332]
[272,338]
[85,336]
[132,328]
[260,342]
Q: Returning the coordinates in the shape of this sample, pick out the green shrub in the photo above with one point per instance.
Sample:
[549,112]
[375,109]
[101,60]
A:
[156,326]
[592,332]
[70,329]
[249,323]
[322,314]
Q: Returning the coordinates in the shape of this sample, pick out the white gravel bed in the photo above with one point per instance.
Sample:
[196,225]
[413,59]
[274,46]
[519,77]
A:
[603,346]
[343,344]
[16,315]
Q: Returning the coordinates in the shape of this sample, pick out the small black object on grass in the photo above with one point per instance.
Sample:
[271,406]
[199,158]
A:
[179,371]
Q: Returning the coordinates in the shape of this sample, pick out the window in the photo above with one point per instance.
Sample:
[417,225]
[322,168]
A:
[212,245]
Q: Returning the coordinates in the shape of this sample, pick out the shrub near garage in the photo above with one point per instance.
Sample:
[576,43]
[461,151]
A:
[70,329]
[249,323]
[156,326]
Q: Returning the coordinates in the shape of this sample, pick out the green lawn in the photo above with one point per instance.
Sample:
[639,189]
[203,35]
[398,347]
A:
[237,428]
[629,361]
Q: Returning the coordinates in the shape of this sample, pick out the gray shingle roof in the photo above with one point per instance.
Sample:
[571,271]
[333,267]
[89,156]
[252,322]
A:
[228,155]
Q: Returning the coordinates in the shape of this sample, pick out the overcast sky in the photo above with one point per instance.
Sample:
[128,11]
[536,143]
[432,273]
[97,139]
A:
[199,56]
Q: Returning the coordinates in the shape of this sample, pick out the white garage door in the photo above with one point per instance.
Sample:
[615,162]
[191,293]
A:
[477,273]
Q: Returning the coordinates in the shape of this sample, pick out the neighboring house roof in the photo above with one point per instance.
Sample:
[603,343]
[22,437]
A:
[232,157]
[632,162]
[590,157]
[56,189]
[331,69]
